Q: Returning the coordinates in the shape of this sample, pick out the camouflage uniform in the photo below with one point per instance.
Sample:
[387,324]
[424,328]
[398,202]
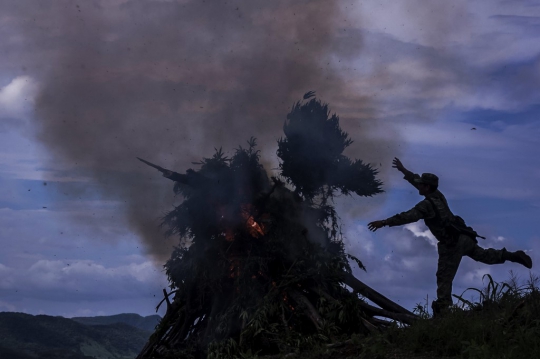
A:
[451,246]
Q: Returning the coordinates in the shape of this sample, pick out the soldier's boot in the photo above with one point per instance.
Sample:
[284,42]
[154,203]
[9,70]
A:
[517,257]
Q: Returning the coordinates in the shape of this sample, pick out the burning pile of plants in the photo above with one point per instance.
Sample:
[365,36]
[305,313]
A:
[261,267]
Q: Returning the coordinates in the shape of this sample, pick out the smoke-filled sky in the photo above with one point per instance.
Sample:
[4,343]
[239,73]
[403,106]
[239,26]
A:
[86,86]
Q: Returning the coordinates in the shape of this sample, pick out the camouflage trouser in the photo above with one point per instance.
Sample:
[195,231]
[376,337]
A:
[449,259]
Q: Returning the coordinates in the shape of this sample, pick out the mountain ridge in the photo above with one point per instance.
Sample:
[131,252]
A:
[147,323]
[25,336]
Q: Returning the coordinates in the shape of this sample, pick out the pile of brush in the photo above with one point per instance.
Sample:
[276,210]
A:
[260,267]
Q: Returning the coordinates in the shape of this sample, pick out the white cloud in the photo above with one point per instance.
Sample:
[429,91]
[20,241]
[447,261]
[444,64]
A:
[419,229]
[144,272]
[475,278]
[70,278]
[411,264]
[17,97]
[460,24]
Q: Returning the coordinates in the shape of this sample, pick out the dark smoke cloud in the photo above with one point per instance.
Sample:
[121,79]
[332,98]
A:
[170,80]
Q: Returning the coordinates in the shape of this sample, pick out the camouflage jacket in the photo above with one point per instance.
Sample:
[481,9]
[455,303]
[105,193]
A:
[436,219]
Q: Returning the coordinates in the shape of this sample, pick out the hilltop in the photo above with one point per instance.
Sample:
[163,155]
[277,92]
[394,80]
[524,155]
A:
[147,323]
[24,336]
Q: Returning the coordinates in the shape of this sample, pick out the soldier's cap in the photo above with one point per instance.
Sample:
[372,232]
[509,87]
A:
[428,178]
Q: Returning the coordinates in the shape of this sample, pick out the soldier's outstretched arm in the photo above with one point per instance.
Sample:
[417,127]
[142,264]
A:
[396,163]
[422,210]
[408,175]
[399,219]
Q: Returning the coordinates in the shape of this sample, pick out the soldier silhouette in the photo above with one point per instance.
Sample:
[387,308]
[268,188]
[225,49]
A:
[455,238]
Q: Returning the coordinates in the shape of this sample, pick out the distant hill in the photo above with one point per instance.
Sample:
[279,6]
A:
[145,323]
[24,336]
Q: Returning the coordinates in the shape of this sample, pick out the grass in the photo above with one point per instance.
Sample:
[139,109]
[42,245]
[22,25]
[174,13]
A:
[503,322]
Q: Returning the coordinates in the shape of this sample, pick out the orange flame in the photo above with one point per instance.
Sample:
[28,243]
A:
[255,229]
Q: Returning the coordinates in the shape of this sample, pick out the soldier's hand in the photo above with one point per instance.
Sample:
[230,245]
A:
[373,226]
[396,163]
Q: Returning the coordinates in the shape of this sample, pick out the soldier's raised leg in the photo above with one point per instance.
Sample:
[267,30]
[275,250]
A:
[497,256]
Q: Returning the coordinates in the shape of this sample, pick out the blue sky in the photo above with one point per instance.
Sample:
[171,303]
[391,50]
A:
[450,88]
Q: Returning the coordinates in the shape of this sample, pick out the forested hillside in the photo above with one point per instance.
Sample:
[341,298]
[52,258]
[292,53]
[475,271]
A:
[25,336]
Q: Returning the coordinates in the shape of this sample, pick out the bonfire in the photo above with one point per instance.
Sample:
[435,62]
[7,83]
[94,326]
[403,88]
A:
[260,268]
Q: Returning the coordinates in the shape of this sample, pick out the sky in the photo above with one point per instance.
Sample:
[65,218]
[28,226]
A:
[450,88]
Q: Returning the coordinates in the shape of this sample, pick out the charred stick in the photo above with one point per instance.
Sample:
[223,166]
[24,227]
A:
[189,179]
[166,299]
[159,168]
[312,313]
[380,323]
[372,328]
[179,321]
[163,338]
[184,330]
[189,315]
[324,294]
[159,334]
[374,296]
[166,173]
[196,328]
[400,317]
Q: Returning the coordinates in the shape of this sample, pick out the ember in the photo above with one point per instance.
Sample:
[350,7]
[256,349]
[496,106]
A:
[266,269]
[255,229]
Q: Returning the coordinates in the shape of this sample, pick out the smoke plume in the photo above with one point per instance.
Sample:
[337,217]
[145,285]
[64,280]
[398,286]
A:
[169,81]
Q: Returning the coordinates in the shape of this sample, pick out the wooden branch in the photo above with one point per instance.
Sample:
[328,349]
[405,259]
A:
[327,296]
[372,328]
[300,299]
[379,322]
[374,296]
[184,329]
[400,317]
[179,322]
[167,299]
[158,336]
